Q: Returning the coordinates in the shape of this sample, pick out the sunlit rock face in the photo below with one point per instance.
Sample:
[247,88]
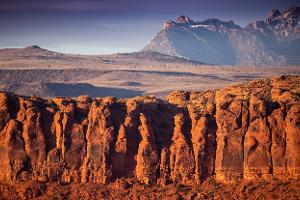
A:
[249,131]
[275,40]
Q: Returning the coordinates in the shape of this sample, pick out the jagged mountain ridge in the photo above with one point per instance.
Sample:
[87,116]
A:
[273,41]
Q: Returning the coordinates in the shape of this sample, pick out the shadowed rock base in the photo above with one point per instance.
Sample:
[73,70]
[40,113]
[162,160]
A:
[132,189]
[245,132]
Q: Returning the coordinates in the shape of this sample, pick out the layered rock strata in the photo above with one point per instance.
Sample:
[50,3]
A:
[248,131]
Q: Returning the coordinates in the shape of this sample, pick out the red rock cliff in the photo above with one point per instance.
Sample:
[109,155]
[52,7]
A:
[248,131]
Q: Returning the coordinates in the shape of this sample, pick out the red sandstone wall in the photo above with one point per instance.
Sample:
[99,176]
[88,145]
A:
[249,131]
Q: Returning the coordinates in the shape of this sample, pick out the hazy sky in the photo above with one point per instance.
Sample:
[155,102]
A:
[108,26]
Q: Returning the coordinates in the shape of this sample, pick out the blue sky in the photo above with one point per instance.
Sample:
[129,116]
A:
[110,26]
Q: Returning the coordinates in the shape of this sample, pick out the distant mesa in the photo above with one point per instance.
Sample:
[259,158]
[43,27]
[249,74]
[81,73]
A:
[34,47]
[157,56]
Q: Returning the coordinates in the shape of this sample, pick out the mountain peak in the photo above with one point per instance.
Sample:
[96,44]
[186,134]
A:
[183,19]
[294,9]
[169,25]
[273,14]
[293,12]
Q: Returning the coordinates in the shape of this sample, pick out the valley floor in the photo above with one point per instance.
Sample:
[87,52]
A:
[39,72]
[127,82]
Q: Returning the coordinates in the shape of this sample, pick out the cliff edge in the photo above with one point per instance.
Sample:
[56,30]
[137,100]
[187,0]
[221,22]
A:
[249,131]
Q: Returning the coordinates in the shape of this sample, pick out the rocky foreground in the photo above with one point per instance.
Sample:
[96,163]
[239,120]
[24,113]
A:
[223,141]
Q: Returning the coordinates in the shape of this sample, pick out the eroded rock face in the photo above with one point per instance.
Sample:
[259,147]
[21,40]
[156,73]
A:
[147,158]
[249,131]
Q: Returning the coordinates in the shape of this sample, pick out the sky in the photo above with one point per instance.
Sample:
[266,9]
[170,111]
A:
[112,26]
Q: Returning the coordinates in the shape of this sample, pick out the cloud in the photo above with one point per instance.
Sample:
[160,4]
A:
[57,6]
